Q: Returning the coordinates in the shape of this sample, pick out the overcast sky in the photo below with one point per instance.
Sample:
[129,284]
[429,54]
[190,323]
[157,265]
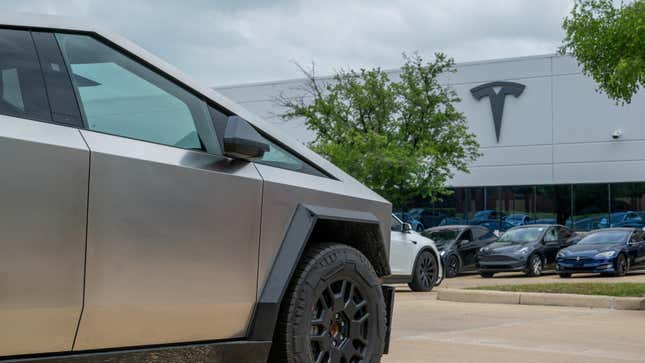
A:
[223,42]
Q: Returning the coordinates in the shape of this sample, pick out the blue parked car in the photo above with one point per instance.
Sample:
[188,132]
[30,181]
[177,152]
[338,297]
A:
[450,221]
[495,225]
[613,251]
[408,218]
[518,219]
[487,215]
[622,219]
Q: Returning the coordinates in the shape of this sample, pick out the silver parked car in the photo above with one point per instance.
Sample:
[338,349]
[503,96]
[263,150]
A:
[140,210]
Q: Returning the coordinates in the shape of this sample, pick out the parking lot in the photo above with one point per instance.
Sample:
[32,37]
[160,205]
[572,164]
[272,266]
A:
[426,330]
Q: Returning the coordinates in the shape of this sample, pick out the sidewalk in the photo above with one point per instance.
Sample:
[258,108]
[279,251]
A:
[537,298]
[474,280]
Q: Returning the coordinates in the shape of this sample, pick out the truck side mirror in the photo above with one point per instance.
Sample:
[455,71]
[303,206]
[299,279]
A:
[242,141]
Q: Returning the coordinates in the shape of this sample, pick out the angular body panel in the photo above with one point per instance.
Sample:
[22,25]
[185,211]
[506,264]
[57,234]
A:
[284,190]
[43,193]
[172,245]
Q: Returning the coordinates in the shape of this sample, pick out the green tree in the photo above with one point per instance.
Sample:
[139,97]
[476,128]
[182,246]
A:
[609,43]
[401,137]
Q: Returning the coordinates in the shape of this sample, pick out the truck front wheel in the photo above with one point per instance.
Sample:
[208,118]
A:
[333,311]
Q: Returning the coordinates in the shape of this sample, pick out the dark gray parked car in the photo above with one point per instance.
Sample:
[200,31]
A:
[528,249]
[140,210]
[459,245]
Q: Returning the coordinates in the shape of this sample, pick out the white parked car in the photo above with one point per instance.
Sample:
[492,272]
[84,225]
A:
[414,259]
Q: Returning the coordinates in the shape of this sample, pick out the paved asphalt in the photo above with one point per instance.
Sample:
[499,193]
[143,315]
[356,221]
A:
[427,330]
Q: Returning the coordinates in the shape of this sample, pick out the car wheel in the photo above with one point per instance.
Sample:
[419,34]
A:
[565,275]
[425,272]
[486,275]
[333,311]
[535,265]
[452,266]
[621,265]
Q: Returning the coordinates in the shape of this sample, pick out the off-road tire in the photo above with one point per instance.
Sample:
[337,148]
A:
[334,307]
[425,272]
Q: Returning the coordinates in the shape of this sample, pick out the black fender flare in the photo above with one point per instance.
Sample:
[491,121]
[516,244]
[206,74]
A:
[295,240]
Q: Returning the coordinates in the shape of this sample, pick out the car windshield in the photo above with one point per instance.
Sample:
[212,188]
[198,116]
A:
[442,235]
[605,237]
[522,235]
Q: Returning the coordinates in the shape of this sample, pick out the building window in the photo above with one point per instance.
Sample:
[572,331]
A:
[552,204]
[591,207]
[518,204]
[627,205]
[581,207]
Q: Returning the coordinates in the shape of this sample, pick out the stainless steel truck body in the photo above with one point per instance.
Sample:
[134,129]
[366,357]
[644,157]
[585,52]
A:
[142,214]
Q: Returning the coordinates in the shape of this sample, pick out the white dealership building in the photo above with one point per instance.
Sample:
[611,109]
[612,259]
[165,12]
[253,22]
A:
[562,151]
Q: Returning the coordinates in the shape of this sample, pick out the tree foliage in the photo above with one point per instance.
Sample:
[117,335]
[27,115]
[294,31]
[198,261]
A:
[400,136]
[609,43]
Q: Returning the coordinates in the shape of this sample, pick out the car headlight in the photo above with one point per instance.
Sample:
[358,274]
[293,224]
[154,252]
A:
[606,254]
[562,253]
[442,253]
[523,251]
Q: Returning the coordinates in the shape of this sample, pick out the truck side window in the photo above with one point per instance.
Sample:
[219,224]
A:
[22,89]
[122,97]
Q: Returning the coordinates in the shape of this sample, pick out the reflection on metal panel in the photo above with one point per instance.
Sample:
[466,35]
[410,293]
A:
[172,245]
[284,190]
[43,193]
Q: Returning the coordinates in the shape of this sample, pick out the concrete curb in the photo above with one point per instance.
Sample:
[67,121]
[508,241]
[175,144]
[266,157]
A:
[534,298]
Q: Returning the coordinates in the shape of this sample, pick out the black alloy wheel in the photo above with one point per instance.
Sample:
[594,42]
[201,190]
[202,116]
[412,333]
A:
[425,273]
[452,266]
[535,265]
[333,312]
[340,324]
[621,265]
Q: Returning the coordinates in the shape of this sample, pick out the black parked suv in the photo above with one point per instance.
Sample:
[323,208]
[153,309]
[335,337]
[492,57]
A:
[459,246]
[528,248]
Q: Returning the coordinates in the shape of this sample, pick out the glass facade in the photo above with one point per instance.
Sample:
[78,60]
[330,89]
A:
[582,207]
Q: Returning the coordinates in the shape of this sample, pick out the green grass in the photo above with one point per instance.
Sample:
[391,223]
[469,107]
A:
[619,289]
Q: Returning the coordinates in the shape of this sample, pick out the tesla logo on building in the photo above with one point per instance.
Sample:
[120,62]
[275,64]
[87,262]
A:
[497,98]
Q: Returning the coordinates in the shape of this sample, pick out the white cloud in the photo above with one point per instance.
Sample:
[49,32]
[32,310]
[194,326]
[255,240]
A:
[225,42]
